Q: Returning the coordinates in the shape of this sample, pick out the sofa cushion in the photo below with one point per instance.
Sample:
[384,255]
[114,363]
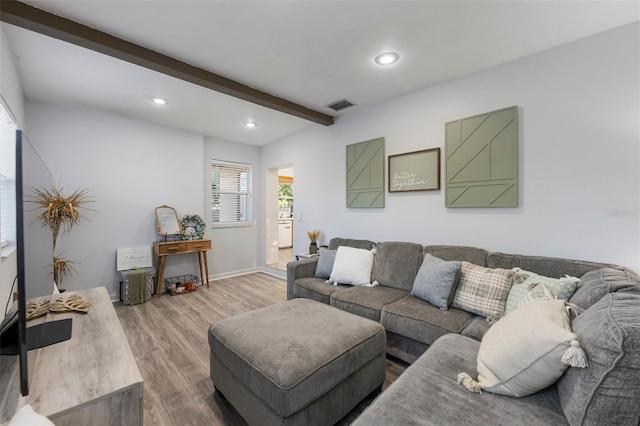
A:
[315,288]
[352,266]
[523,352]
[427,394]
[436,281]
[608,392]
[473,255]
[483,291]
[477,328]
[362,244]
[366,301]
[553,267]
[421,321]
[325,263]
[396,264]
[596,284]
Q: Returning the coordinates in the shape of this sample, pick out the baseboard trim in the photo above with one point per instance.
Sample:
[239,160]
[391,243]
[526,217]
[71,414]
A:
[274,272]
[246,272]
[265,269]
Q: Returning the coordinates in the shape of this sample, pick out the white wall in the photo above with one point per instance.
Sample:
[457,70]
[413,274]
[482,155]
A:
[129,168]
[11,92]
[10,86]
[578,158]
[233,250]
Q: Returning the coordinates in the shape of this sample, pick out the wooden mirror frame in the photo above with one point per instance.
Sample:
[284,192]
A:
[167,222]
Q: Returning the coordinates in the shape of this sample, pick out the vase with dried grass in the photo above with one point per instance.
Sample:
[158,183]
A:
[313,237]
[60,213]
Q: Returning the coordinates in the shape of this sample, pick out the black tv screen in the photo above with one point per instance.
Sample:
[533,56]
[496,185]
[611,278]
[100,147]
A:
[34,259]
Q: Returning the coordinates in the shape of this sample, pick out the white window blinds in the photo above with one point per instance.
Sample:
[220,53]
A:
[231,192]
[7,178]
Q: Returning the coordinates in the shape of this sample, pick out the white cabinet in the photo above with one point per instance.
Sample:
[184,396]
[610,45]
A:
[285,234]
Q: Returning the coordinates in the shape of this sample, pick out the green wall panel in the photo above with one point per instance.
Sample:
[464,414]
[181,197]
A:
[365,174]
[481,160]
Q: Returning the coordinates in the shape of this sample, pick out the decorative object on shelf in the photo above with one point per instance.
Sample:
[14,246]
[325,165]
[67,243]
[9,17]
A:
[181,284]
[415,171]
[60,214]
[167,223]
[37,309]
[192,227]
[313,245]
[73,303]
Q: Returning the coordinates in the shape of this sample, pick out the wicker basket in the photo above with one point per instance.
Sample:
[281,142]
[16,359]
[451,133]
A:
[181,284]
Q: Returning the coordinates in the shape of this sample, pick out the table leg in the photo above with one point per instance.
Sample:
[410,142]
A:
[200,268]
[206,267]
[160,275]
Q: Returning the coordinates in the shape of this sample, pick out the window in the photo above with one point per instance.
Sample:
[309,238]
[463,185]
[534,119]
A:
[230,193]
[7,178]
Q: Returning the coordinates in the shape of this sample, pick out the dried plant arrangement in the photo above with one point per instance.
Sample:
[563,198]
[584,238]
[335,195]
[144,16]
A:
[60,213]
[313,235]
[61,269]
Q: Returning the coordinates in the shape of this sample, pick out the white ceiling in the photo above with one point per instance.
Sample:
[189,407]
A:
[309,52]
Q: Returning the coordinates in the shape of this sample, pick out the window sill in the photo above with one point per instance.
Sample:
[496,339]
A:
[8,251]
[232,225]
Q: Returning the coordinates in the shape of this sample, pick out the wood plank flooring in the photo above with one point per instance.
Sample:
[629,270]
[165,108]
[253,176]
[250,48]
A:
[168,337]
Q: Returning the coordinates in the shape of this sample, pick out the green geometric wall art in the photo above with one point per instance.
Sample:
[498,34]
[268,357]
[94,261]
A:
[481,160]
[365,174]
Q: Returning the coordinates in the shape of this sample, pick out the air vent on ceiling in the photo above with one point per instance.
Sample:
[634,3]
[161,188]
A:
[340,105]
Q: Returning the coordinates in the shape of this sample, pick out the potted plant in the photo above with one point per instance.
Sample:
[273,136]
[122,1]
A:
[313,236]
[60,214]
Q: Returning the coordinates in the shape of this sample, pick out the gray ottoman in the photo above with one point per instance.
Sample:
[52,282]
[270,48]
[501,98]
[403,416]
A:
[298,362]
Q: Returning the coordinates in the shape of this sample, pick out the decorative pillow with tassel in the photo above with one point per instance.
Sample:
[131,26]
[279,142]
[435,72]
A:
[526,351]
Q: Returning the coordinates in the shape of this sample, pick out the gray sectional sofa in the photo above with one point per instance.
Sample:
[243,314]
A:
[440,344]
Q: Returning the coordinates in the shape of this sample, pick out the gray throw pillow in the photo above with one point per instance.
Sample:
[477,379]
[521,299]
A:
[596,284]
[436,281]
[608,391]
[325,263]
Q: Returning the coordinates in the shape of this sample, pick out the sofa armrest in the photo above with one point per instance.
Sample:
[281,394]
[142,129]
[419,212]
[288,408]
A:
[303,268]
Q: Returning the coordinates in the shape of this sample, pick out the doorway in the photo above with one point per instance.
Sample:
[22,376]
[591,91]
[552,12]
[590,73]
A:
[281,226]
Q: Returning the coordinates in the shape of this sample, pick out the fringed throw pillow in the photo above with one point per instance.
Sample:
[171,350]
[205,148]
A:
[561,288]
[526,351]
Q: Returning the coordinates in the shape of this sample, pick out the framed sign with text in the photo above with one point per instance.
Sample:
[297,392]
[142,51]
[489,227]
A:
[415,171]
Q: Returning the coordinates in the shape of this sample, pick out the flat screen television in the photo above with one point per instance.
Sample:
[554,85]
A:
[34,258]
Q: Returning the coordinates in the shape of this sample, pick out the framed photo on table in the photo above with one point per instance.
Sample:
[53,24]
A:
[414,171]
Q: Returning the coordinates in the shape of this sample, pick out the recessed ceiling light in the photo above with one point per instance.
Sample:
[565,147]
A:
[250,124]
[387,58]
[158,101]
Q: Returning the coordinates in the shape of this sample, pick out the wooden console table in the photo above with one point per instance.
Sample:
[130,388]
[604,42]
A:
[162,249]
[90,379]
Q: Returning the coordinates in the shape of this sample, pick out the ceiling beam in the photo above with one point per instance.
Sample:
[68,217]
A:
[34,19]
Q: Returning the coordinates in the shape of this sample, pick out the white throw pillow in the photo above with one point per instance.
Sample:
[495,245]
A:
[526,351]
[352,266]
[27,417]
